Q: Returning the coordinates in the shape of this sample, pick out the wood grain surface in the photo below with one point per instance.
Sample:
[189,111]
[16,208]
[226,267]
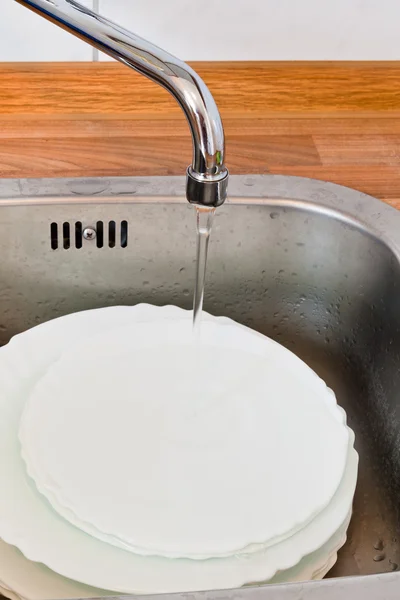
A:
[338,122]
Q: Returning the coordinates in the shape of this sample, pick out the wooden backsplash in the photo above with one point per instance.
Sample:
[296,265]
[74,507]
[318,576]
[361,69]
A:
[333,121]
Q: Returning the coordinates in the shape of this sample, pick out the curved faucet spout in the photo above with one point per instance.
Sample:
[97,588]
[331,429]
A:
[207,177]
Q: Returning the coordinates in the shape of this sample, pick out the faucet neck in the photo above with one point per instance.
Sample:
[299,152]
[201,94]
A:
[207,176]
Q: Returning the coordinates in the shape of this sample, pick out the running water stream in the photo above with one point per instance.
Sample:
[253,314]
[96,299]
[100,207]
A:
[204,222]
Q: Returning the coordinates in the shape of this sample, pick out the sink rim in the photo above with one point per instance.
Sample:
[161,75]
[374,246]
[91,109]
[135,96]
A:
[349,205]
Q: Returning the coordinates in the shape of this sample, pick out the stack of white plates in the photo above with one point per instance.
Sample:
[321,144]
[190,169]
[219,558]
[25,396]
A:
[142,461]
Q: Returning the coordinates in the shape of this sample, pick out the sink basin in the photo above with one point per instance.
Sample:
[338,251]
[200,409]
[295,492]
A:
[311,264]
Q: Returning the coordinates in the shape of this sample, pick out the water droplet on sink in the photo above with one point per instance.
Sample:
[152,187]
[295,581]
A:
[379,557]
[89,187]
[274,215]
[379,545]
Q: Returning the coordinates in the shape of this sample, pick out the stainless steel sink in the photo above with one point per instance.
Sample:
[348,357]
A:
[313,265]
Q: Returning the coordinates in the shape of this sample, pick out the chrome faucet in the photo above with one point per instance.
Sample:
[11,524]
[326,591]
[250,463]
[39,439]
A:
[207,177]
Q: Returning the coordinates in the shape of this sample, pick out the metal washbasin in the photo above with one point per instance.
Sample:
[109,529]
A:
[313,265]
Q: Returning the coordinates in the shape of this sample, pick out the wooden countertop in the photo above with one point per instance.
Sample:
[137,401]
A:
[338,122]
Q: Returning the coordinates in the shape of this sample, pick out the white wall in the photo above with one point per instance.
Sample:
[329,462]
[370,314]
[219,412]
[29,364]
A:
[26,37]
[224,30]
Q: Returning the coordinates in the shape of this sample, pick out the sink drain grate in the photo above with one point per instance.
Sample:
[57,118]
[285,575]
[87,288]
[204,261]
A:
[67,235]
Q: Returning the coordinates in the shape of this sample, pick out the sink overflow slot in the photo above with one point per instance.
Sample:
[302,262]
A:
[67,235]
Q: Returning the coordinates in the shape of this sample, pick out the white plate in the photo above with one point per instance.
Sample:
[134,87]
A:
[26,580]
[22,578]
[173,439]
[33,581]
[7,593]
[27,520]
